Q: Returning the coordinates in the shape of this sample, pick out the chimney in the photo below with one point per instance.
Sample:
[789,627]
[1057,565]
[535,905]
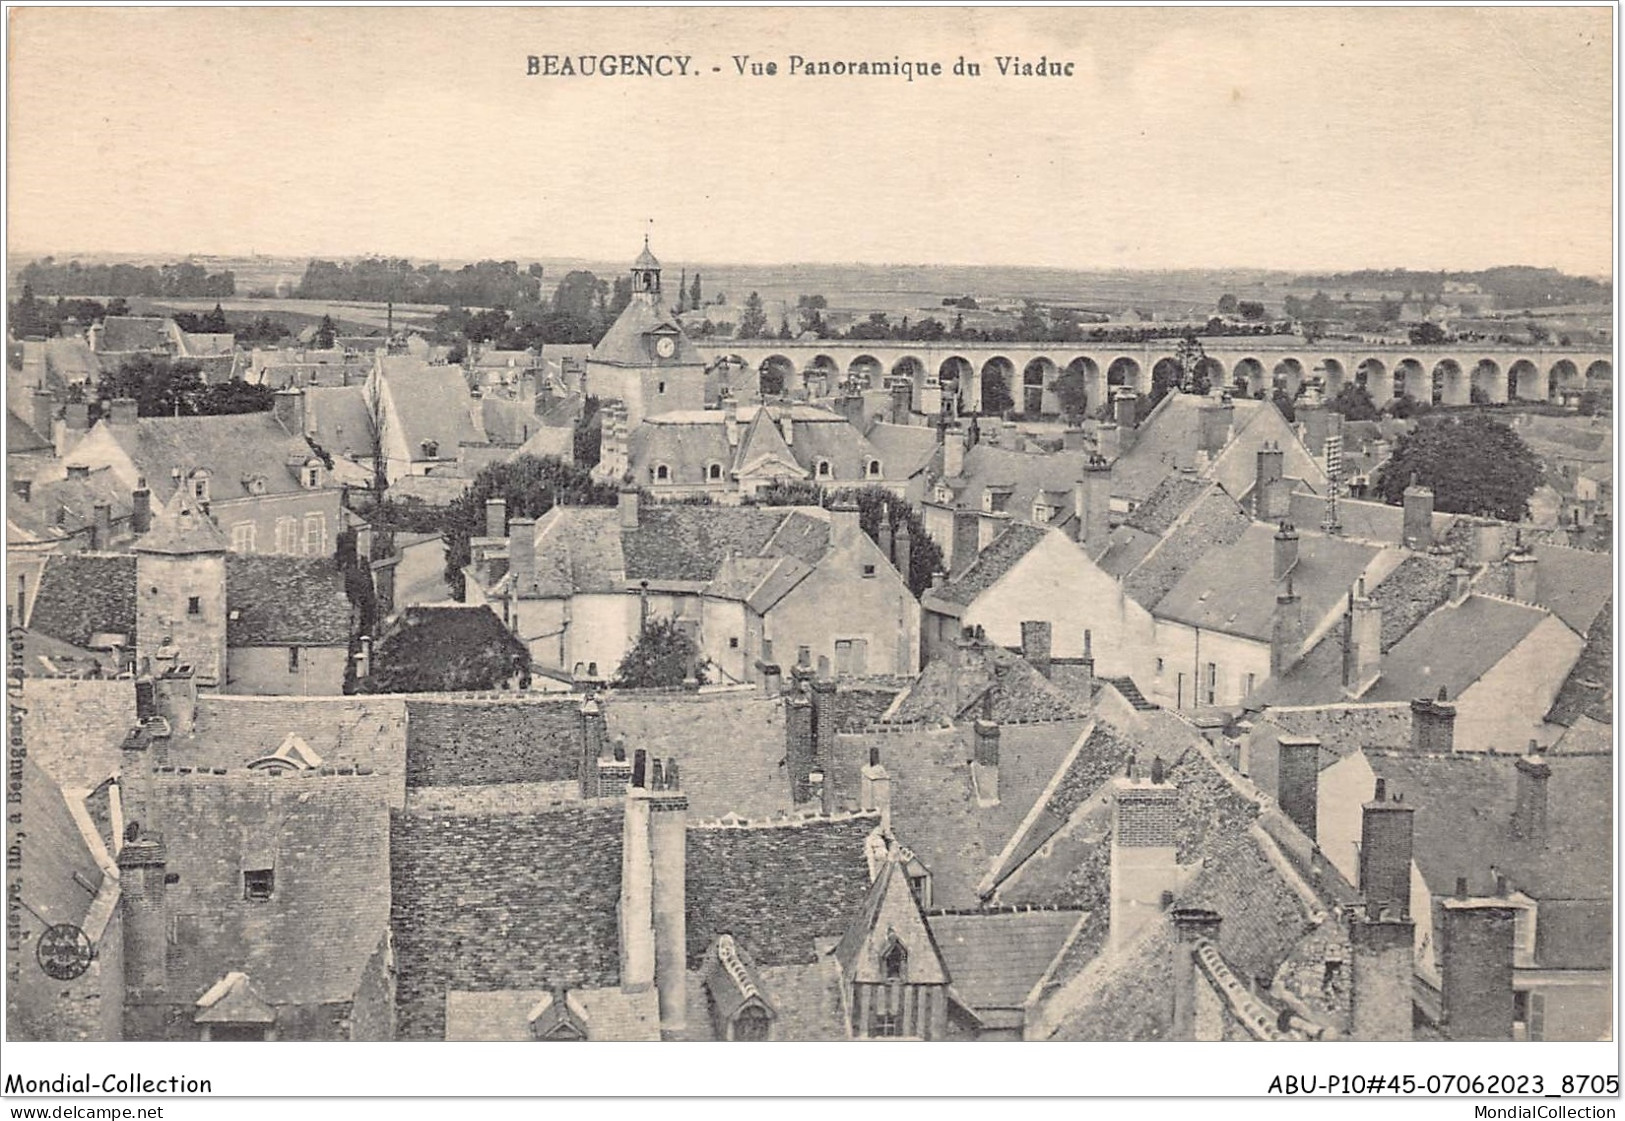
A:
[175,695]
[1386,832]
[967,540]
[1125,403]
[730,423]
[1271,471]
[77,415]
[1381,976]
[1529,816]
[1362,642]
[1418,517]
[1525,569]
[140,508]
[1476,947]
[1107,440]
[629,508]
[985,763]
[289,410]
[521,555]
[798,737]
[43,412]
[122,411]
[1286,631]
[883,537]
[823,732]
[146,926]
[637,884]
[101,527]
[1088,663]
[363,657]
[592,746]
[1433,725]
[874,790]
[1036,644]
[772,680]
[953,452]
[1461,584]
[1217,418]
[1192,927]
[1144,856]
[1286,550]
[846,525]
[496,517]
[1092,504]
[900,403]
[903,547]
[383,584]
[1074,440]
[1297,781]
[668,833]
[1488,542]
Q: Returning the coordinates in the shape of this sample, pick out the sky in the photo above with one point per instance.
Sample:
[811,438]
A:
[1294,138]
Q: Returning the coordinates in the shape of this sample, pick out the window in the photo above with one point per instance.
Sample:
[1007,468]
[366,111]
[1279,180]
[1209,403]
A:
[257,884]
[889,1007]
[662,473]
[431,449]
[868,570]
[287,535]
[313,476]
[242,537]
[803,655]
[874,468]
[1212,681]
[733,642]
[661,387]
[713,472]
[315,534]
[200,486]
[823,469]
[194,605]
[293,659]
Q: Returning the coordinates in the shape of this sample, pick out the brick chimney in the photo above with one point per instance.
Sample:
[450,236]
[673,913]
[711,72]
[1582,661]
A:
[1381,976]
[798,741]
[1297,781]
[289,410]
[592,738]
[101,527]
[1529,815]
[1461,584]
[1525,577]
[824,724]
[967,539]
[1125,401]
[629,508]
[1286,630]
[1144,856]
[1362,642]
[637,884]
[845,525]
[614,773]
[1217,419]
[521,555]
[175,695]
[1476,947]
[1036,644]
[1286,550]
[140,508]
[903,549]
[496,517]
[1092,504]
[1433,725]
[1271,470]
[874,789]
[1418,517]
[985,763]
[668,843]
[146,922]
[1192,926]
[1387,829]
[883,536]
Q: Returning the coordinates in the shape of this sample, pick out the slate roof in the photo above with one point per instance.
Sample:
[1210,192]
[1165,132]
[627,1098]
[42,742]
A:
[1573,584]
[339,421]
[686,449]
[84,594]
[326,840]
[1002,554]
[729,747]
[1023,475]
[502,739]
[507,423]
[1589,688]
[1230,590]
[1168,438]
[285,601]
[1361,520]
[1150,566]
[75,727]
[234,449]
[905,449]
[946,691]
[70,362]
[122,333]
[623,344]
[66,507]
[997,959]
[1168,502]
[430,403]
[21,436]
[806,998]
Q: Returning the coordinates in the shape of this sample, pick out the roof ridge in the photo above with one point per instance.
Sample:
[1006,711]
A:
[785,820]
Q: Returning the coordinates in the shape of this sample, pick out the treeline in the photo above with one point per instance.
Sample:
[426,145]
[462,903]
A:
[164,387]
[1510,286]
[32,317]
[48,277]
[381,279]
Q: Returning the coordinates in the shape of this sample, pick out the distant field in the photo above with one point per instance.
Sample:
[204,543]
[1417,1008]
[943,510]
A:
[350,318]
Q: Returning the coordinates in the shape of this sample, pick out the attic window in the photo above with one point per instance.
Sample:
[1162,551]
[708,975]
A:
[257,884]
[194,605]
[874,468]
[431,449]
[713,472]
[823,469]
[662,473]
[868,571]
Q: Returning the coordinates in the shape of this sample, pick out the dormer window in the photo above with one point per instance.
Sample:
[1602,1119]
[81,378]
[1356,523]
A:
[874,468]
[824,471]
[200,485]
[713,472]
[258,884]
[662,473]
[431,449]
[894,962]
[311,474]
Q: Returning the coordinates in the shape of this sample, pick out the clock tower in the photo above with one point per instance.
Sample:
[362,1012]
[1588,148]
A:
[645,360]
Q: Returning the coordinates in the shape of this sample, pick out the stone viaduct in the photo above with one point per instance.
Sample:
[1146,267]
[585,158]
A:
[1441,375]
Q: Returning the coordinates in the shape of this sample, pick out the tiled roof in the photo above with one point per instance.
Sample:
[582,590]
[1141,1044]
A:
[1589,688]
[1168,438]
[905,449]
[1164,505]
[776,889]
[489,901]
[728,746]
[1024,475]
[802,534]
[234,449]
[85,594]
[1363,521]
[66,507]
[447,648]
[1230,589]
[285,601]
[121,333]
[806,998]
[60,873]
[946,691]
[998,958]
[1214,521]
[74,727]
[339,420]
[991,564]
[430,403]
[688,542]
[686,450]
[482,740]
[326,840]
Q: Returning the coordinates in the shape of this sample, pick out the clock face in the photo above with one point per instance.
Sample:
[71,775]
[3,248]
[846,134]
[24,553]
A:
[665,346]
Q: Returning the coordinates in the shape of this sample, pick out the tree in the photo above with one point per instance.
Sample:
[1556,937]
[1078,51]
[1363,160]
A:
[694,300]
[588,437]
[662,658]
[1354,403]
[753,323]
[1428,334]
[1251,309]
[326,334]
[532,486]
[682,292]
[810,311]
[1032,326]
[874,504]
[441,650]
[996,392]
[1192,361]
[1283,401]
[1473,463]
[784,328]
[1227,304]
[215,322]
[1073,394]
